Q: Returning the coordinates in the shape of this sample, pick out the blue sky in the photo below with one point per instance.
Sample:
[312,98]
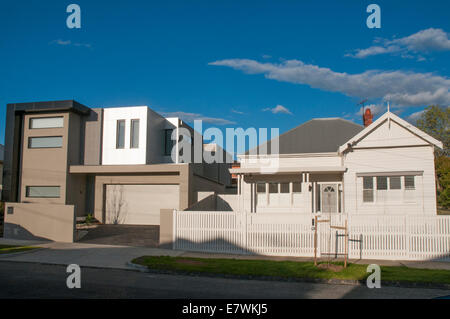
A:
[230,63]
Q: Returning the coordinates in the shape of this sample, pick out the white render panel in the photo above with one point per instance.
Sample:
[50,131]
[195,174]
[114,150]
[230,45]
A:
[113,156]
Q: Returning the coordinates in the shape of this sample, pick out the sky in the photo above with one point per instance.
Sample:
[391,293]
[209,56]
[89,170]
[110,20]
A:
[262,64]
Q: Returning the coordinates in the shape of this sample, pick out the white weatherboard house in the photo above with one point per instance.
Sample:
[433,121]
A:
[372,187]
[333,165]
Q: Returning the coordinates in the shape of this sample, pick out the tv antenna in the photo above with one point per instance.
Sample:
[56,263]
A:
[363,104]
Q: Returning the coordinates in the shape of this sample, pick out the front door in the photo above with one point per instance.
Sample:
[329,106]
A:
[329,198]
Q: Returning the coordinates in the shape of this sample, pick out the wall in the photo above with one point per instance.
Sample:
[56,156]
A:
[166,229]
[155,138]
[92,137]
[44,166]
[40,221]
[127,155]
[413,159]
[294,160]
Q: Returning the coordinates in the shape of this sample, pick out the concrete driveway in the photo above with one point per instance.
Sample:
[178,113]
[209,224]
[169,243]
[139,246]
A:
[123,235]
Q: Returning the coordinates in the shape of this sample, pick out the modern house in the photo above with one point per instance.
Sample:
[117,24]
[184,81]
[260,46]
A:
[332,165]
[65,160]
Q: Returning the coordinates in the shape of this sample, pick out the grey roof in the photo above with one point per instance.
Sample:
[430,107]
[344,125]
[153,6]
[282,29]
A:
[316,136]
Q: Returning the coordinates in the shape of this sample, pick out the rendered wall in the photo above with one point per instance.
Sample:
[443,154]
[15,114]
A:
[40,221]
[113,156]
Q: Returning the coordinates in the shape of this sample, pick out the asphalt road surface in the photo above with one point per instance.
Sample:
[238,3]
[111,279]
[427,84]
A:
[32,280]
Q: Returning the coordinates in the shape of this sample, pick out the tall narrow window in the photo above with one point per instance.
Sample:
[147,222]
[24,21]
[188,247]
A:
[168,142]
[261,188]
[394,182]
[367,189]
[284,188]
[296,187]
[120,134]
[381,183]
[409,182]
[134,136]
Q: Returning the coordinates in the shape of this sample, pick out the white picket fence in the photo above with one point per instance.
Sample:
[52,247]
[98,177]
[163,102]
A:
[391,237]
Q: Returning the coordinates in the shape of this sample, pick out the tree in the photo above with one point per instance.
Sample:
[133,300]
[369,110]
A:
[435,121]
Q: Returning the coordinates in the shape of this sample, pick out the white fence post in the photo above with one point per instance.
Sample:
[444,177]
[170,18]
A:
[174,229]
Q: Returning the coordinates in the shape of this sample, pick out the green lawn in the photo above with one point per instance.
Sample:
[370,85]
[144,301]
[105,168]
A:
[289,269]
[7,249]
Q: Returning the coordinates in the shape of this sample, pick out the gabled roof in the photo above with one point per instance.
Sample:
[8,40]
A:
[321,135]
[385,117]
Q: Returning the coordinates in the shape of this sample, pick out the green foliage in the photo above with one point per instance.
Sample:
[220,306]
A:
[288,269]
[435,121]
[89,219]
[442,164]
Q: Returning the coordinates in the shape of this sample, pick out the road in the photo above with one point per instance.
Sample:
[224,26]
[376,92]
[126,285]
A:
[32,280]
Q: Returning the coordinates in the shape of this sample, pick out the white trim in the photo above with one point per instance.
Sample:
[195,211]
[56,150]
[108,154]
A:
[290,155]
[286,170]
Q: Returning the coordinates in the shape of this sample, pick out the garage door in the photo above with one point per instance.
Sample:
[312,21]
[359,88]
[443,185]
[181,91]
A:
[139,204]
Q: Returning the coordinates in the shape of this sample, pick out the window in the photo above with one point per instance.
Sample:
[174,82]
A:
[46,122]
[367,189]
[381,183]
[134,134]
[284,188]
[273,188]
[394,182]
[409,182]
[296,187]
[120,134]
[168,142]
[260,187]
[45,142]
[42,191]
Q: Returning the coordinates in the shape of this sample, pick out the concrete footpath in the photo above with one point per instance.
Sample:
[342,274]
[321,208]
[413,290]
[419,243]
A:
[118,257]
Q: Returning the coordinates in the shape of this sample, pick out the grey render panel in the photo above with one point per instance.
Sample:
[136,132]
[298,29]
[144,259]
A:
[13,137]
[315,136]
[155,137]
[93,131]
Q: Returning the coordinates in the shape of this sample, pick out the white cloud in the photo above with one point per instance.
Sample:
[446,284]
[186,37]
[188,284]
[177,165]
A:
[414,116]
[400,87]
[277,109]
[190,117]
[423,41]
[375,109]
[70,43]
[236,111]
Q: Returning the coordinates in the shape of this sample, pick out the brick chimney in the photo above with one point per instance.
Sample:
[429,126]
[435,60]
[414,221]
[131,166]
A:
[367,117]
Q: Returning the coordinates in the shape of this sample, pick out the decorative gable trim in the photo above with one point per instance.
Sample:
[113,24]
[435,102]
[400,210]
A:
[388,116]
